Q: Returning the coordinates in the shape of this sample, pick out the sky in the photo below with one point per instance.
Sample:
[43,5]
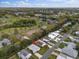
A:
[39,3]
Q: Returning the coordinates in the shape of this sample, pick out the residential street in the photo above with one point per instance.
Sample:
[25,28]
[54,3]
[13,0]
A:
[48,53]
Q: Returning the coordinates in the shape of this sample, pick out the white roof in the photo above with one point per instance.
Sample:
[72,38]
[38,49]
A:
[55,33]
[25,37]
[34,48]
[46,40]
[24,54]
[67,24]
[52,35]
[70,51]
[58,31]
[77,32]
[76,39]
[63,57]
[57,39]
[38,14]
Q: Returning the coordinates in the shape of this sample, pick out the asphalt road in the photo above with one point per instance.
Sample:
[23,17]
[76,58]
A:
[48,53]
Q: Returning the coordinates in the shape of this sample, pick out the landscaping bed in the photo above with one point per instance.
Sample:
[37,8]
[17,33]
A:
[43,50]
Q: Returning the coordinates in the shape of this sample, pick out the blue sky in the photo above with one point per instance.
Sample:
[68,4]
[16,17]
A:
[39,3]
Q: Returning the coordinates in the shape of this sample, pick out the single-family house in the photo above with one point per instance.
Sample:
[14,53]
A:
[52,35]
[76,39]
[55,36]
[62,56]
[40,43]
[72,45]
[69,23]
[34,48]
[24,54]
[77,32]
[5,42]
[70,52]
[45,40]
[38,15]
[57,39]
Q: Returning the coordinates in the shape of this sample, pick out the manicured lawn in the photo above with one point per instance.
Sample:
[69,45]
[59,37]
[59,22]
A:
[33,57]
[77,57]
[52,57]
[67,40]
[77,44]
[14,57]
[43,50]
[62,45]
[77,48]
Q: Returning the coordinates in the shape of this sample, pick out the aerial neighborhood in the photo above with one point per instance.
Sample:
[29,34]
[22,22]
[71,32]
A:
[41,33]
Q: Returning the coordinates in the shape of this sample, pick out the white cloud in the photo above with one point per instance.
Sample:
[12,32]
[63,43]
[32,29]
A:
[22,4]
[41,3]
[6,2]
[16,4]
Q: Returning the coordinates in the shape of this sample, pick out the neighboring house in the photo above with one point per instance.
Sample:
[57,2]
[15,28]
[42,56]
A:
[24,54]
[45,40]
[52,35]
[62,56]
[69,23]
[34,48]
[40,43]
[55,36]
[70,52]
[5,42]
[58,31]
[77,32]
[76,39]
[72,45]
[57,39]
[38,15]
[20,13]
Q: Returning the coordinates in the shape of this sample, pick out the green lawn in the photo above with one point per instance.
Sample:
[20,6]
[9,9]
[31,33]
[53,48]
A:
[67,40]
[77,44]
[52,57]
[33,57]
[43,50]
[78,57]
[62,45]
[14,57]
